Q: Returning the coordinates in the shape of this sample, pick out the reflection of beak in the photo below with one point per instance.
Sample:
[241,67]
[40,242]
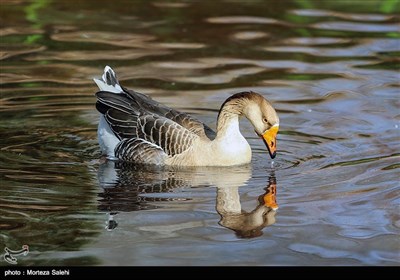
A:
[270,198]
[269,138]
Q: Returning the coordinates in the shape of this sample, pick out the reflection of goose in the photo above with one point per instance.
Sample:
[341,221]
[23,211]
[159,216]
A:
[125,187]
[135,128]
[245,224]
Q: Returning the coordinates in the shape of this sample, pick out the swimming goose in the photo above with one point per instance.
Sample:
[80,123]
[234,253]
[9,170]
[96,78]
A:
[135,128]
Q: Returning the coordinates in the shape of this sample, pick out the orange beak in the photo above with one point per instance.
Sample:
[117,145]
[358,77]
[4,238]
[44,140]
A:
[269,138]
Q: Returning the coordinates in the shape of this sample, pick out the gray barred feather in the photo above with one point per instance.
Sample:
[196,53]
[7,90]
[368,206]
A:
[139,150]
[188,122]
[116,101]
[146,128]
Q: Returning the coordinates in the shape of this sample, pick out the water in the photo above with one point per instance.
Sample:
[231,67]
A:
[331,69]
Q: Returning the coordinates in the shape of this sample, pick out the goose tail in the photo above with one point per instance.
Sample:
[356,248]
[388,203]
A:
[108,81]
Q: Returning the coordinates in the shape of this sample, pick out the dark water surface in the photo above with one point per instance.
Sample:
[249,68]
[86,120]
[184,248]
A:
[331,68]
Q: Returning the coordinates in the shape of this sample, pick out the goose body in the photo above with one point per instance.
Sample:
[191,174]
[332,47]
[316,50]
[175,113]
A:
[135,128]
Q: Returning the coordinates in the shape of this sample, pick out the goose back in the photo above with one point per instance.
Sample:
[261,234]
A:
[149,131]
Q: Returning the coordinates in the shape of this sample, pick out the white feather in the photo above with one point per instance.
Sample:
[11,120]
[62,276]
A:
[103,85]
[107,139]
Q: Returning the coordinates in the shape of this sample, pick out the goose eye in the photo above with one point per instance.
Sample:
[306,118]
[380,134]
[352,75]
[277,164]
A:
[265,120]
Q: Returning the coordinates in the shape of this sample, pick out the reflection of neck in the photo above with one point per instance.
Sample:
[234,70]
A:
[228,201]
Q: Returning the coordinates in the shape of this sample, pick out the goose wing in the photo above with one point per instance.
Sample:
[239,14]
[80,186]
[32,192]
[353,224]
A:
[137,100]
[185,120]
[144,135]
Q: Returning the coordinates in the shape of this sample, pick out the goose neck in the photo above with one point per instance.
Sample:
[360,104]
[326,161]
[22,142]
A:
[228,117]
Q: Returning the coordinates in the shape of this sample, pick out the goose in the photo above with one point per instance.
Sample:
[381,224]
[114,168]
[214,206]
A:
[135,128]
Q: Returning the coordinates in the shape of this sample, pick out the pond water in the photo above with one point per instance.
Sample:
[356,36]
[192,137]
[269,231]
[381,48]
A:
[331,69]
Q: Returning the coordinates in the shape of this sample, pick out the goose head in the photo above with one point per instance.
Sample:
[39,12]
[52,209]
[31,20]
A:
[259,112]
[265,120]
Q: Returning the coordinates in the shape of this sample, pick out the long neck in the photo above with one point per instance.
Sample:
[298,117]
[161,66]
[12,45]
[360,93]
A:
[228,118]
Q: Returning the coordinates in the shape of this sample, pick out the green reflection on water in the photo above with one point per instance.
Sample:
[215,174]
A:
[390,6]
[32,10]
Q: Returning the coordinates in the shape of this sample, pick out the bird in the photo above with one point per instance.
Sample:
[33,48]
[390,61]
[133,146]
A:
[137,129]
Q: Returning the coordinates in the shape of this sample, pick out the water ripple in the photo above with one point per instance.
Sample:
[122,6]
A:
[358,27]
[116,39]
[348,16]
[241,20]
[364,48]
[128,54]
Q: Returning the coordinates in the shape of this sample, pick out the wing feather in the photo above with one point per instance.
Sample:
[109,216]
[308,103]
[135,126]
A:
[139,150]
[149,131]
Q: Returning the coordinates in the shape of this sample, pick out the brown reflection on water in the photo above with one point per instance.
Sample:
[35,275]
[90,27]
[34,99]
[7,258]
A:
[56,73]
[241,20]
[247,224]
[130,40]
[18,50]
[127,187]
[127,54]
